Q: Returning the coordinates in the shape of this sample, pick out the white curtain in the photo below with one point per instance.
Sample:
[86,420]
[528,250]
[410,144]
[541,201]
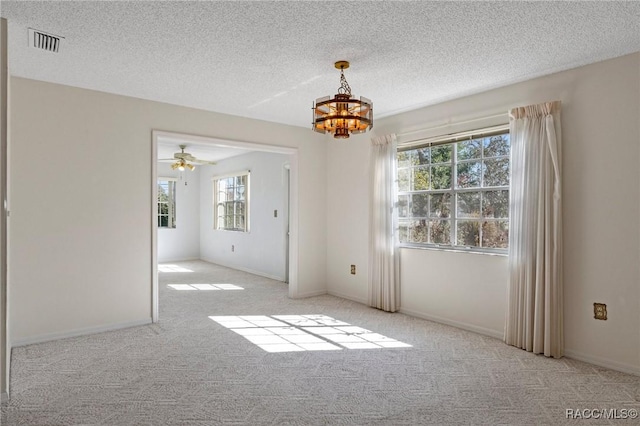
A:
[383,259]
[534,319]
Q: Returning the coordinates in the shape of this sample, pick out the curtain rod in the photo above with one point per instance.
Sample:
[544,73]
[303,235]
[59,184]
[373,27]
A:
[504,114]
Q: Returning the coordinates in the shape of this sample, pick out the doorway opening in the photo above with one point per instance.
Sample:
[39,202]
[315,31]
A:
[203,150]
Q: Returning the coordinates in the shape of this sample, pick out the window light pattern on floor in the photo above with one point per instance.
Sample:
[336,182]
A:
[172,268]
[205,287]
[292,333]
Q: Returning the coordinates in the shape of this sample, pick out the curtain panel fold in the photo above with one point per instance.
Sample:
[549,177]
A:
[534,319]
[384,283]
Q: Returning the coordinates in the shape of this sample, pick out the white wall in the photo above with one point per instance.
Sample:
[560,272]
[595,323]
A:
[261,250]
[80,249]
[183,241]
[601,160]
[348,216]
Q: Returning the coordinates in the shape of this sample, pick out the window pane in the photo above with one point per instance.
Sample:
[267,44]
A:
[441,177]
[163,208]
[239,192]
[468,233]
[468,204]
[422,156]
[241,180]
[440,205]
[418,232]
[403,206]
[403,231]
[441,154]
[421,178]
[495,204]
[404,158]
[419,205]
[468,150]
[240,207]
[440,232]
[163,221]
[240,222]
[469,174]
[228,208]
[496,172]
[495,234]
[404,179]
[496,145]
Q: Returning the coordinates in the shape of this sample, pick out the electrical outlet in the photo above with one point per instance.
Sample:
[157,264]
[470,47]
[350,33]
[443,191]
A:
[600,311]
[353,269]
[275,213]
[233,248]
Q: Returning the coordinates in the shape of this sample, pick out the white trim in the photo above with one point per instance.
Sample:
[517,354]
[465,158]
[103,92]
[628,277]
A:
[603,362]
[78,332]
[457,324]
[311,294]
[247,270]
[186,259]
[154,228]
[344,296]
[173,179]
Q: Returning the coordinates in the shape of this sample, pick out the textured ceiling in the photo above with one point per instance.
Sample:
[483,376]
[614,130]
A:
[269,60]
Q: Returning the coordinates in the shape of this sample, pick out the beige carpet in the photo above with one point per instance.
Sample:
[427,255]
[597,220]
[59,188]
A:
[190,369]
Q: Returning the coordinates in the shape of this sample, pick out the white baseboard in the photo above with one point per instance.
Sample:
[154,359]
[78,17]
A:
[186,259]
[310,294]
[457,324]
[603,362]
[240,268]
[345,296]
[77,332]
[4,397]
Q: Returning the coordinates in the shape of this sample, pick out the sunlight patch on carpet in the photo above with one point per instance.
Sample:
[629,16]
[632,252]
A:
[294,333]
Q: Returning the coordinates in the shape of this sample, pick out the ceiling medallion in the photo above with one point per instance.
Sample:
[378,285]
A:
[342,114]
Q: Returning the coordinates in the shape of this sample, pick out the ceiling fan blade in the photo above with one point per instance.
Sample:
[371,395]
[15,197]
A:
[211,163]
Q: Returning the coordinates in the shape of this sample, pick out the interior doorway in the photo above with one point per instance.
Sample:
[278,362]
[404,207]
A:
[289,213]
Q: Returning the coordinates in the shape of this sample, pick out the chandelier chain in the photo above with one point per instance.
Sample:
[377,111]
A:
[344,89]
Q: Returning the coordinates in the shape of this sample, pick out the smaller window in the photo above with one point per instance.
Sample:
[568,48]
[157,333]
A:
[166,203]
[231,202]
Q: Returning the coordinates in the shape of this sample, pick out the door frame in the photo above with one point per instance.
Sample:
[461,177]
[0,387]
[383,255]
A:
[224,143]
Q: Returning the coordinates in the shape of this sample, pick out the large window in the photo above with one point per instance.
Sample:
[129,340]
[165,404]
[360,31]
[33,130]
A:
[166,203]
[455,193]
[231,200]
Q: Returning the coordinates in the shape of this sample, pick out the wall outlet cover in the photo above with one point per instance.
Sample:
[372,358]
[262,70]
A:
[600,311]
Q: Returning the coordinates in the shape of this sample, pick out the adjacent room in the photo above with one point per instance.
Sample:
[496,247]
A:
[319,213]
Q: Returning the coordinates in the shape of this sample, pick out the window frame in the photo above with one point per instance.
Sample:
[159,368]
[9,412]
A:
[454,218]
[217,203]
[171,203]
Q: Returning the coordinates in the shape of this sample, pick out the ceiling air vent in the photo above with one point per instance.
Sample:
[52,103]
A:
[41,40]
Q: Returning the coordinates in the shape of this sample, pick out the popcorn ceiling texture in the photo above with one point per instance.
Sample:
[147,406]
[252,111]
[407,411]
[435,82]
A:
[270,60]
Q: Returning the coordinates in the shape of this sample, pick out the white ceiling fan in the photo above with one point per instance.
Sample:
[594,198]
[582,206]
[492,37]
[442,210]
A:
[183,159]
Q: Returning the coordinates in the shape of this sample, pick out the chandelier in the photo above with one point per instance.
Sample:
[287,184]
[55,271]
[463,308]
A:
[342,114]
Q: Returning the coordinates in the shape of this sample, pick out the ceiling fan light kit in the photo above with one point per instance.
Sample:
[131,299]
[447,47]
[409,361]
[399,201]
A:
[343,114]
